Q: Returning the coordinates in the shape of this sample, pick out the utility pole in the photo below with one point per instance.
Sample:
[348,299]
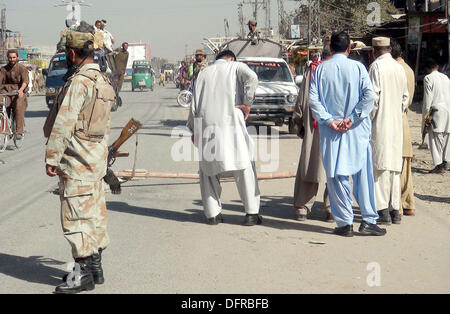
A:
[3,25]
[281,17]
[241,19]
[314,35]
[227,27]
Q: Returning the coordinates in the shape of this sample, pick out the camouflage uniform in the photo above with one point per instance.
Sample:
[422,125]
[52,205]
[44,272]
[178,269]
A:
[198,67]
[81,162]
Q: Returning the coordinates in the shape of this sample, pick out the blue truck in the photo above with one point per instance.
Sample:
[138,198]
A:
[56,71]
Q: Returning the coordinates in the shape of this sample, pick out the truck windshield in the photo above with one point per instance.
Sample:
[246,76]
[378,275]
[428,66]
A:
[141,70]
[270,71]
[58,63]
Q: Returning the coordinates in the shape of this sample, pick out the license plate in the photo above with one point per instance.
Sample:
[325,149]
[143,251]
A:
[142,83]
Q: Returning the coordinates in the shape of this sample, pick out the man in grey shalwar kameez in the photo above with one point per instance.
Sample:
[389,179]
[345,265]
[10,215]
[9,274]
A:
[223,94]
[310,172]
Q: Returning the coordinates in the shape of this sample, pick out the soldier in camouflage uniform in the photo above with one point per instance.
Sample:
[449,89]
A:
[254,35]
[200,62]
[77,152]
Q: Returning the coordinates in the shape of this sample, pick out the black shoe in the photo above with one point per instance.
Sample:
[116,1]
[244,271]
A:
[396,217]
[345,231]
[84,281]
[96,268]
[252,219]
[385,218]
[215,220]
[371,229]
[438,169]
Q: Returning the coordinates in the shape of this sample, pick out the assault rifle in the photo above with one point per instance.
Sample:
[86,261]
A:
[113,151]
[428,121]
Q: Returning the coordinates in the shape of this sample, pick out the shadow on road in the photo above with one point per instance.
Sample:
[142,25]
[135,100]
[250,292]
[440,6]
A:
[197,216]
[419,170]
[35,269]
[36,114]
[431,198]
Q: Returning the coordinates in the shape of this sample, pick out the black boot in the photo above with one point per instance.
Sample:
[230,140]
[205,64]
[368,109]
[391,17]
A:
[96,268]
[396,217]
[385,217]
[84,281]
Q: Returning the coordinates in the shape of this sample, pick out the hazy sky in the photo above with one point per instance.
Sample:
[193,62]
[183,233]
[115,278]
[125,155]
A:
[168,25]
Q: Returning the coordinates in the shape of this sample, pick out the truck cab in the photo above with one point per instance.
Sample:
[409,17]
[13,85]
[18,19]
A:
[55,73]
[277,92]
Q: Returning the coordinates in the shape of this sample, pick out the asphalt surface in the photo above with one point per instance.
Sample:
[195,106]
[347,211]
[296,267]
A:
[160,242]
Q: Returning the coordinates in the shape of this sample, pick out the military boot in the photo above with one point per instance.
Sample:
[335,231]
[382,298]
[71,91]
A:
[82,281]
[96,268]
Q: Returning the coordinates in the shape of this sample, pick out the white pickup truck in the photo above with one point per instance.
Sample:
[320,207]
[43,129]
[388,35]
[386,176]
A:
[277,91]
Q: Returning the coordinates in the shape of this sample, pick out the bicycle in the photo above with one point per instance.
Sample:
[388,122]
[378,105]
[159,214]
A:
[8,122]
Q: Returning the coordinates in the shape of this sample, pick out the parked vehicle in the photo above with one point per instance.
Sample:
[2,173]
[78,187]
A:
[277,92]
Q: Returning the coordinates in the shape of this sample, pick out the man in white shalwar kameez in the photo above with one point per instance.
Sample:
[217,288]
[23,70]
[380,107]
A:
[391,89]
[436,86]
[223,94]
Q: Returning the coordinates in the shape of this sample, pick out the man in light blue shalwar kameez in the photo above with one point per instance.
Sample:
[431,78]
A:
[341,99]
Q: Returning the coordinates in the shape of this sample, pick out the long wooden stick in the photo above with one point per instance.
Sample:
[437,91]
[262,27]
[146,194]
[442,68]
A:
[195,176]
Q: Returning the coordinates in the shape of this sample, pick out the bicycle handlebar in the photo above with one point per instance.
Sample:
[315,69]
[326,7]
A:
[13,93]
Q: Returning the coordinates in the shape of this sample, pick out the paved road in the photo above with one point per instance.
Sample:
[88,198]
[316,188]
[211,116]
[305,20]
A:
[161,244]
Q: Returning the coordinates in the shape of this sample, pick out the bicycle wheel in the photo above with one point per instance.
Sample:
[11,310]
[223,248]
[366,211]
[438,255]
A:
[4,133]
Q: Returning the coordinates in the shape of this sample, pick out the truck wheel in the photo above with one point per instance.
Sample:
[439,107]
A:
[132,88]
[292,126]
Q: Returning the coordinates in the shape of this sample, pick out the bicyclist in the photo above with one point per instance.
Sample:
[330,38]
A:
[16,74]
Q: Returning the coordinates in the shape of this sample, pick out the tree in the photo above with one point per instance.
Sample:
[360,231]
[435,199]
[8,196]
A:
[357,17]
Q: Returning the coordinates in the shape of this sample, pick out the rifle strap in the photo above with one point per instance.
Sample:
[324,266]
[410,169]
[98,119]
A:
[135,157]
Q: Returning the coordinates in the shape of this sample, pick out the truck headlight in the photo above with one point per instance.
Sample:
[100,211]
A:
[51,90]
[292,98]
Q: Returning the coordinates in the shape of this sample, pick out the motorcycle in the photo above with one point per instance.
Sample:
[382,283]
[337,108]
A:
[184,98]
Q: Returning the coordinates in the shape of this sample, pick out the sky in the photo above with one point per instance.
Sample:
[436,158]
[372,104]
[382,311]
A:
[168,25]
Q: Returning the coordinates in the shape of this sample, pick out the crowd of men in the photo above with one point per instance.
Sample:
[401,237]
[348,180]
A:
[373,135]
[352,122]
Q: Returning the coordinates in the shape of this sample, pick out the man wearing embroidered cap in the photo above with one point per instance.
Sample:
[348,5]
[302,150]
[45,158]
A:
[77,152]
[391,89]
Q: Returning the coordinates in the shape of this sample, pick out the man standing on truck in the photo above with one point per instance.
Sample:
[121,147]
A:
[16,74]
[254,33]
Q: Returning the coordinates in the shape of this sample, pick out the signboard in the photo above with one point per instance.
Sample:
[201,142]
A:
[295,31]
